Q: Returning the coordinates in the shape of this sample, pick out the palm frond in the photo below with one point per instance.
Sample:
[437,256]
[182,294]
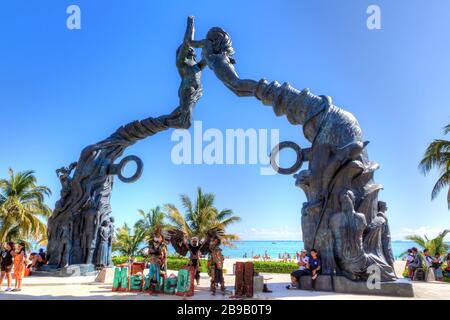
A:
[202,216]
[447,129]
[417,239]
[435,156]
[443,181]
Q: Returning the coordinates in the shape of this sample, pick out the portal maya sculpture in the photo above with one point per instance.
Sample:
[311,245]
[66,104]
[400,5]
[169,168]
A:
[342,217]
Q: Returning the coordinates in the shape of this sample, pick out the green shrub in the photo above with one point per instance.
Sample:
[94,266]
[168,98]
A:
[405,273]
[123,259]
[176,263]
[173,262]
[274,266]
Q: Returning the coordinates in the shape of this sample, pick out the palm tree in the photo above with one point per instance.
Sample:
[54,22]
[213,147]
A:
[436,245]
[22,207]
[151,221]
[437,156]
[202,216]
[128,243]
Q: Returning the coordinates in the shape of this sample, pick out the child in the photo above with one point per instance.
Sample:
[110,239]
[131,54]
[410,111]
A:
[315,267]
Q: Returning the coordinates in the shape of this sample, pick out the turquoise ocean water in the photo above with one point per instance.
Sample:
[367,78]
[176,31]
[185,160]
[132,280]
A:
[274,248]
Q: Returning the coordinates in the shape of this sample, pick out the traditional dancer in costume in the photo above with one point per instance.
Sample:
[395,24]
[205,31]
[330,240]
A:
[194,249]
[194,246]
[157,253]
[215,265]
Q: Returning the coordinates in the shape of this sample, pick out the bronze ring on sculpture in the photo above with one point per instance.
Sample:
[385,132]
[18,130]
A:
[283,145]
[118,168]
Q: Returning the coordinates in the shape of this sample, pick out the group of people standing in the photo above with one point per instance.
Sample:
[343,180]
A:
[414,261]
[13,256]
[14,260]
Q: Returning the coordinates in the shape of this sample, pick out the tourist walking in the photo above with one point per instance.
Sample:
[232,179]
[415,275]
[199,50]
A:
[7,265]
[19,266]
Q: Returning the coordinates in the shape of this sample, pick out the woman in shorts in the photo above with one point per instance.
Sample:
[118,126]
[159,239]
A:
[7,264]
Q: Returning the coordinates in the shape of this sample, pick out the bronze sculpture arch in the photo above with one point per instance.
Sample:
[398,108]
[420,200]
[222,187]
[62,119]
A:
[342,217]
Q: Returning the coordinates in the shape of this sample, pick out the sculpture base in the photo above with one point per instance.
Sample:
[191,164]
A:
[47,268]
[77,270]
[340,284]
[398,288]
[323,283]
[106,275]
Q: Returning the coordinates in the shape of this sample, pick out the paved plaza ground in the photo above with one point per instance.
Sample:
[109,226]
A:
[57,288]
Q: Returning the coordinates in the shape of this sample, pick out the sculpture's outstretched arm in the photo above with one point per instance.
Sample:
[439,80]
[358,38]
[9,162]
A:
[197,43]
[218,54]
[224,70]
[188,37]
[189,34]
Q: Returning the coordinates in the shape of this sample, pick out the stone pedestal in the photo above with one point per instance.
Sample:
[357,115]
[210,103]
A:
[340,284]
[77,270]
[398,288]
[106,275]
[258,284]
[48,268]
[323,283]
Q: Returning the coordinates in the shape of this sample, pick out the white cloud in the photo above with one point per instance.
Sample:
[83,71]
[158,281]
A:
[283,233]
[428,231]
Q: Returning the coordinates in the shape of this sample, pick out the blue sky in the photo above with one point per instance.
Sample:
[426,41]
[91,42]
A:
[61,90]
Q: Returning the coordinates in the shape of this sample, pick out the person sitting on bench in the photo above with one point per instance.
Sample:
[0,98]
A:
[303,269]
[315,266]
[38,260]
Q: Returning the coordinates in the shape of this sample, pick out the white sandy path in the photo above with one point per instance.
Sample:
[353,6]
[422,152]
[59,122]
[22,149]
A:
[55,288]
